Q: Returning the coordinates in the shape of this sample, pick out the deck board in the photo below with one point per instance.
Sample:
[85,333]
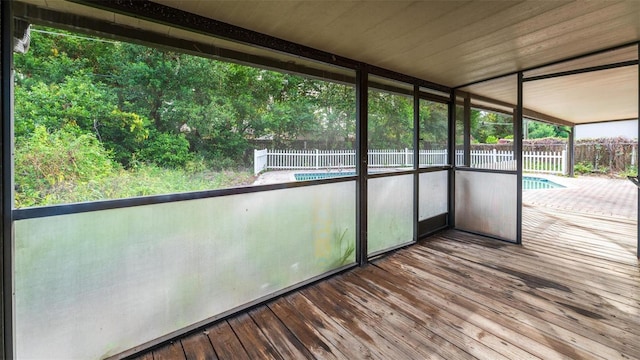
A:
[571,291]
[281,337]
[170,351]
[225,342]
[253,340]
[198,347]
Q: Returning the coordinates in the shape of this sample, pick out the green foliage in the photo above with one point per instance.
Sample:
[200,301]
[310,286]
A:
[147,180]
[347,248]
[48,163]
[583,168]
[390,121]
[485,124]
[539,130]
[631,170]
[491,139]
[434,125]
[165,149]
[77,101]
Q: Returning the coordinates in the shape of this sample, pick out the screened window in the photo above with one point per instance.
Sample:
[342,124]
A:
[98,119]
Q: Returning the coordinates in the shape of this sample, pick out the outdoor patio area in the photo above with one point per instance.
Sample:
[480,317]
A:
[572,290]
[597,195]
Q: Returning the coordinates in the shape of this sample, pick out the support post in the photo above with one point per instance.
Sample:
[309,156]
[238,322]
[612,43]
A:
[362,103]
[518,120]
[638,114]
[416,159]
[571,151]
[467,130]
[451,159]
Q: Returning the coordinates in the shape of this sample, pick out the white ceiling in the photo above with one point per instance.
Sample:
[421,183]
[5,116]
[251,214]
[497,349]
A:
[452,42]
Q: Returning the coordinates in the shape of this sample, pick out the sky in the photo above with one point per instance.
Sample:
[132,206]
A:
[626,128]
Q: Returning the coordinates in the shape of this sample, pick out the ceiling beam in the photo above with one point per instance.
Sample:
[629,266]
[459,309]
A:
[538,116]
[528,113]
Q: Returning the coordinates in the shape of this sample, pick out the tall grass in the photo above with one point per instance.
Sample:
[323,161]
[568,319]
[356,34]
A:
[144,180]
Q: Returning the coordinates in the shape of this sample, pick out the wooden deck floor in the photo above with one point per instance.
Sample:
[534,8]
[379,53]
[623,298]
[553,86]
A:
[571,291]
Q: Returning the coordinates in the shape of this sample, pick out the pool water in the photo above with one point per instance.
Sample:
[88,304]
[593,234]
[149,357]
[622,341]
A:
[318,176]
[535,183]
[528,182]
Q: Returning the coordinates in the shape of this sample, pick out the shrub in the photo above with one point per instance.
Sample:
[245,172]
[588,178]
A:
[491,139]
[583,168]
[48,163]
[166,150]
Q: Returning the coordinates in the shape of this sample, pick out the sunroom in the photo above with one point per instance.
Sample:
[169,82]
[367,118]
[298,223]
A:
[367,217]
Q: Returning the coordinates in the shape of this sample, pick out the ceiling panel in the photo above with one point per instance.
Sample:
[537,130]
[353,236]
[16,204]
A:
[588,97]
[447,42]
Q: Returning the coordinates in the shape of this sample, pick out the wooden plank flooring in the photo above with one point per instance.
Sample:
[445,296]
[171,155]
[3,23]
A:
[572,291]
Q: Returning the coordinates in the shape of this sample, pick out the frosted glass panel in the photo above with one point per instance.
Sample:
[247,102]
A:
[433,194]
[486,203]
[94,284]
[390,212]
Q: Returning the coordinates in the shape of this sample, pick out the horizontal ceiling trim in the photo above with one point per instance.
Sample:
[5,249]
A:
[538,116]
[583,70]
[607,121]
[528,113]
[374,70]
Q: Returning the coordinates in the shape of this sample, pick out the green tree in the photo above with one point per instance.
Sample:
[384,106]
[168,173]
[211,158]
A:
[539,130]
[335,115]
[485,124]
[434,125]
[390,120]
[80,102]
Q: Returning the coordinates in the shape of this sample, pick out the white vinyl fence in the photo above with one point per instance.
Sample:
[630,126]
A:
[547,162]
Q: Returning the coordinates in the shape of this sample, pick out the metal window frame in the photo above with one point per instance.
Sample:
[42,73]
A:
[6,185]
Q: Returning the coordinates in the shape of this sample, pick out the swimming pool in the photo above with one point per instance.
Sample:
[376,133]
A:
[318,176]
[536,183]
[528,182]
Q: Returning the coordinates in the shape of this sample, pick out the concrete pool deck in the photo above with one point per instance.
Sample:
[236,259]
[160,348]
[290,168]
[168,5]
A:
[284,176]
[585,194]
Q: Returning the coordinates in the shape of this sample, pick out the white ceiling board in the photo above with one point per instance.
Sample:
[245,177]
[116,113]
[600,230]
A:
[537,40]
[504,89]
[447,42]
[582,98]
[589,97]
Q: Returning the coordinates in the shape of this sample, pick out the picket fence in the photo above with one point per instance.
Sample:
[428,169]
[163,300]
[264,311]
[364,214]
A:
[533,161]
